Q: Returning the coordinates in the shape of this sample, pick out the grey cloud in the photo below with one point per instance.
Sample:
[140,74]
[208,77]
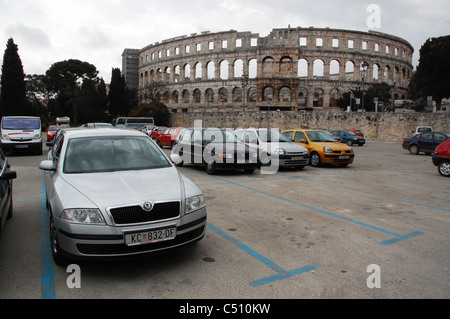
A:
[31,36]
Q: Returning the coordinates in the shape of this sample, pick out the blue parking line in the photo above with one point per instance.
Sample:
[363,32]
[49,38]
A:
[281,272]
[397,237]
[373,194]
[47,273]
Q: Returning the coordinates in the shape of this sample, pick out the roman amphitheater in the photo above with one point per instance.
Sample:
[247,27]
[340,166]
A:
[291,69]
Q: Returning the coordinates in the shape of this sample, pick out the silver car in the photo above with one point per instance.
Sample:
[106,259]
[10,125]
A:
[113,192]
[271,144]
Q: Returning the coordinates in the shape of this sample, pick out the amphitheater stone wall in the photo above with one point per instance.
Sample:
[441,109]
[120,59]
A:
[292,68]
[387,126]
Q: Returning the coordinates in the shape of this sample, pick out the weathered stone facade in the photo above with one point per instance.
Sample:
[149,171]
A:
[389,126]
[290,69]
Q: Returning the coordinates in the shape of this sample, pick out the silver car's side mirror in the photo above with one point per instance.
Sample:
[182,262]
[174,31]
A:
[176,159]
[47,165]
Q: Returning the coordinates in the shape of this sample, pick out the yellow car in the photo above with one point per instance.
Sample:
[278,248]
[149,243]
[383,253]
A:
[322,147]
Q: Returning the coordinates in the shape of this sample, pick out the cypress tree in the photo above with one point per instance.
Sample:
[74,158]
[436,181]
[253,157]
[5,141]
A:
[13,93]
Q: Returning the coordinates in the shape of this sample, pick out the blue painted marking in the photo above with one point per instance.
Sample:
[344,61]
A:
[281,272]
[47,273]
[280,276]
[400,238]
[373,194]
[394,240]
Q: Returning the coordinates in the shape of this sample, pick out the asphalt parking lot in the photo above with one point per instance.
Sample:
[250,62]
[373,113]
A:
[375,229]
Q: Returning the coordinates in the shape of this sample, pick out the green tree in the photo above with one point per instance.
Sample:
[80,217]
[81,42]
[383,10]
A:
[380,90]
[67,77]
[13,93]
[118,101]
[432,77]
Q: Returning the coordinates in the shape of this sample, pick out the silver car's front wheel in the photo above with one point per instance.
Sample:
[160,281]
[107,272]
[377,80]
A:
[57,255]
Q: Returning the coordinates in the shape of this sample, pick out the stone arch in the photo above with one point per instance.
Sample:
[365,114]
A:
[210,70]
[318,97]
[223,95]
[318,67]
[209,95]
[238,68]
[237,94]
[267,94]
[302,68]
[224,69]
[285,94]
[302,96]
[186,96]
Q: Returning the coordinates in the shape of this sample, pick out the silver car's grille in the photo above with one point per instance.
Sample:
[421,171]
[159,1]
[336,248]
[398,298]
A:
[136,214]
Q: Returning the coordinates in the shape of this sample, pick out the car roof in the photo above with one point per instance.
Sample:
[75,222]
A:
[99,132]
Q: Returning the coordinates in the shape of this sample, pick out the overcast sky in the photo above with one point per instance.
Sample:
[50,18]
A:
[97,31]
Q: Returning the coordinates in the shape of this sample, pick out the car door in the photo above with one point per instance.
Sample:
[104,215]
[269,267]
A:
[300,137]
[426,142]
[438,138]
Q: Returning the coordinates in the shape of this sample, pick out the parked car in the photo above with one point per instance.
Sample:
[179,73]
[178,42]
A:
[215,149]
[158,130]
[422,129]
[102,199]
[148,129]
[424,142]
[272,143]
[6,189]
[51,131]
[441,158]
[169,137]
[357,132]
[349,138]
[323,149]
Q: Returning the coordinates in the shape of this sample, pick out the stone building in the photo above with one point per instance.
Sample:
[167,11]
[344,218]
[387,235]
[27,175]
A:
[291,69]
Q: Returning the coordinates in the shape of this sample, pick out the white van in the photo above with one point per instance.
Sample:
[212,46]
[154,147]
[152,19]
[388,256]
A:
[21,133]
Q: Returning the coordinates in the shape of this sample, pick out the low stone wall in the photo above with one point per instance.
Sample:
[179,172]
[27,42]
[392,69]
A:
[375,126]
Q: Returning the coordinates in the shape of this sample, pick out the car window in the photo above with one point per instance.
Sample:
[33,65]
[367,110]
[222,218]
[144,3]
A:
[105,154]
[186,135]
[250,136]
[289,134]
[197,136]
[299,136]
[440,137]
[427,136]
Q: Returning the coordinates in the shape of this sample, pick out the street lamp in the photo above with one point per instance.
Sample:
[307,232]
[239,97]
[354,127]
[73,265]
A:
[364,67]
[244,82]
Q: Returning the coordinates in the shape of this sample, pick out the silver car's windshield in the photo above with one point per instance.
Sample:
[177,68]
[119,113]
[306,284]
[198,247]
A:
[106,154]
[269,136]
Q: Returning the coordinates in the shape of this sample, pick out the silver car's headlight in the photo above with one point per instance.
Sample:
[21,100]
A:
[83,216]
[280,151]
[194,203]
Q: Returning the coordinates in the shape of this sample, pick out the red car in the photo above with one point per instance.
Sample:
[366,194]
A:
[441,158]
[357,132]
[158,130]
[169,136]
[51,131]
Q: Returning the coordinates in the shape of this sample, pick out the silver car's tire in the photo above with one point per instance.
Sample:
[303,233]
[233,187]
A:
[57,254]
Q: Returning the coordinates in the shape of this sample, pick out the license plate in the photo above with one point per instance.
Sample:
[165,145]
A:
[296,158]
[21,146]
[344,157]
[150,236]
